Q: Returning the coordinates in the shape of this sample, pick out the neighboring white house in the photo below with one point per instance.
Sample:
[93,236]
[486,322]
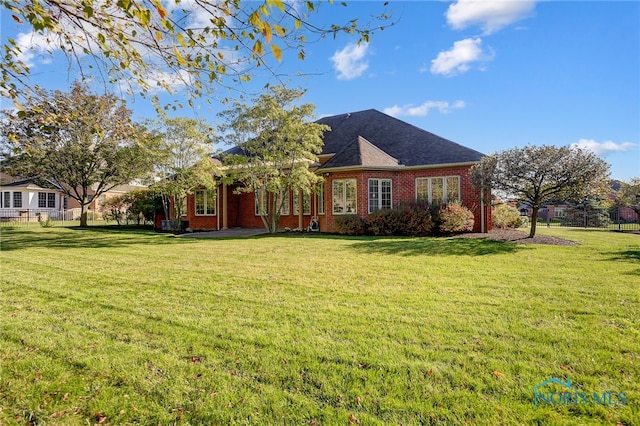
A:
[29,199]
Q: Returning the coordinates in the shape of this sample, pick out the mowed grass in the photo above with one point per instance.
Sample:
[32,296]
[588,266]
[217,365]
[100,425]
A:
[114,327]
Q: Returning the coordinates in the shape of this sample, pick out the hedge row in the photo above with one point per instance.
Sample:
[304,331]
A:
[413,219]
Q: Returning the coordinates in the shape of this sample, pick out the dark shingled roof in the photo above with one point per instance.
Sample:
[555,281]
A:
[361,152]
[372,139]
[403,142]
[42,183]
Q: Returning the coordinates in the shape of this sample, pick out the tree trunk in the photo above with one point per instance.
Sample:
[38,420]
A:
[275,222]
[534,221]
[83,215]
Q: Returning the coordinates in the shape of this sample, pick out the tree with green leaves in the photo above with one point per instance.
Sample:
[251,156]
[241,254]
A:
[183,161]
[538,175]
[276,142]
[136,206]
[629,195]
[85,143]
[196,45]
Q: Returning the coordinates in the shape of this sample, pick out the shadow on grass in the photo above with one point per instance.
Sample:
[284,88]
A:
[632,256]
[76,237]
[433,246]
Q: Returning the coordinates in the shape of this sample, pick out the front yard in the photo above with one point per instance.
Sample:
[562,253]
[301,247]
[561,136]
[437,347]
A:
[122,327]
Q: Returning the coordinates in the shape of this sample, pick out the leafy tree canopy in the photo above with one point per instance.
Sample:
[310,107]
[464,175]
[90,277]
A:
[276,142]
[182,160]
[538,175]
[629,195]
[197,45]
[84,143]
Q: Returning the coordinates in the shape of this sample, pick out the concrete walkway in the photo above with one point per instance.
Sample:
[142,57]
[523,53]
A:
[226,233]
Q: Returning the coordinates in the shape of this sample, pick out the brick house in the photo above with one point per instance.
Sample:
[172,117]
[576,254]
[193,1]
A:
[369,161]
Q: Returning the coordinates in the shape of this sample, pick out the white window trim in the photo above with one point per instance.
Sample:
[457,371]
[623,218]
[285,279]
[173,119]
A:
[51,196]
[13,200]
[259,196]
[444,187]
[320,200]
[44,200]
[296,200]
[344,196]
[380,180]
[286,205]
[206,203]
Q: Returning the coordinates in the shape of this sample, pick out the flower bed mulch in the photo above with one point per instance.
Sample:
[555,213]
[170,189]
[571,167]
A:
[519,237]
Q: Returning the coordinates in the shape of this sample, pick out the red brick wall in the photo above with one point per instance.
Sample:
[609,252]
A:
[403,190]
[200,222]
[241,209]
[246,217]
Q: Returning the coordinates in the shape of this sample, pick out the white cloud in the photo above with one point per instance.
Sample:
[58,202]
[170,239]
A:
[351,62]
[457,60]
[34,45]
[443,107]
[603,148]
[490,15]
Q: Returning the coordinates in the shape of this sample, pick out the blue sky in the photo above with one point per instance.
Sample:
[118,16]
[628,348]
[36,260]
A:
[489,75]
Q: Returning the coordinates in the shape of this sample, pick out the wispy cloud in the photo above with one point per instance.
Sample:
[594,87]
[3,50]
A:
[459,58]
[491,16]
[34,45]
[351,61]
[443,107]
[605,148]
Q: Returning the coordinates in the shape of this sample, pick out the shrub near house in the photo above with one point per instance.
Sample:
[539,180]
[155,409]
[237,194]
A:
[505,216]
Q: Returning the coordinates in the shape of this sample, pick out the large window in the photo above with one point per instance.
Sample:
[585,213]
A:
[183,206]
[345,196]
[321,199]
[285,210]
[438,190]
[6,200]
[46,199]
[261,204]
[17,199]
[42,200]
[379,194]
[306,200]
[205,202]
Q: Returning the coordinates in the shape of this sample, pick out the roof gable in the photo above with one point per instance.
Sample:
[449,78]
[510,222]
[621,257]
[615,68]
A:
[361,152]
[403,142]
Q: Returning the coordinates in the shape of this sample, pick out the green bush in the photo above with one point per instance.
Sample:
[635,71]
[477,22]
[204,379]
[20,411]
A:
[349,224]
[505,216]
[387,222]
[455,218]
[410,219]
[46,222]
[419,219]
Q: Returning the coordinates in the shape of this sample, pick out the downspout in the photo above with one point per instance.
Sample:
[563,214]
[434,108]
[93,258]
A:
[218,207]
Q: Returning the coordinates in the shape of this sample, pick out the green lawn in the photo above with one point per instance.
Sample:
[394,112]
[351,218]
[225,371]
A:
[124,327]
